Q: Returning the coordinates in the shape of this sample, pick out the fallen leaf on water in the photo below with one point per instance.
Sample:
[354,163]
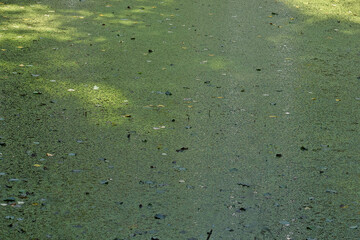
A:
[37,165]
[243,184]
[182,149]
[272,116]
[160,216]
[303,148]
[331,191]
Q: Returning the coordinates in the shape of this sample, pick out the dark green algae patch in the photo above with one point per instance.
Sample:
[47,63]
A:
[178,120]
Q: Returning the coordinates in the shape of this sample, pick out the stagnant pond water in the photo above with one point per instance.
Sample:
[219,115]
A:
[179,119]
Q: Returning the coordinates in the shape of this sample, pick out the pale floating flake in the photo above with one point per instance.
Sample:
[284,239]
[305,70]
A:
[286,223]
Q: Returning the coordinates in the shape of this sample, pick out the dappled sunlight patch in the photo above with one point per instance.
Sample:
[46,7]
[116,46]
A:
[126,21]
[324,21]
[323,9]
[23,32]
[101,102]
[75,13]
[100,39]
[350,32]
[217,64]
[32,22]
[142,10]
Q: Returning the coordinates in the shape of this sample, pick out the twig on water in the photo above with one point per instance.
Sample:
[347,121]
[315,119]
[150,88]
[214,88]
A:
[209,234]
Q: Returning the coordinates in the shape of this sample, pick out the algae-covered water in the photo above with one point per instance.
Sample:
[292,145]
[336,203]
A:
[179,119]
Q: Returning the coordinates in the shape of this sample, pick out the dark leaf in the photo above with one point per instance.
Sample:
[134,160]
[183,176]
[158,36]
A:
[182,149]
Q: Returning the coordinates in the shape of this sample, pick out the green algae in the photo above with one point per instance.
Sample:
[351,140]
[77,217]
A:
[248,92]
